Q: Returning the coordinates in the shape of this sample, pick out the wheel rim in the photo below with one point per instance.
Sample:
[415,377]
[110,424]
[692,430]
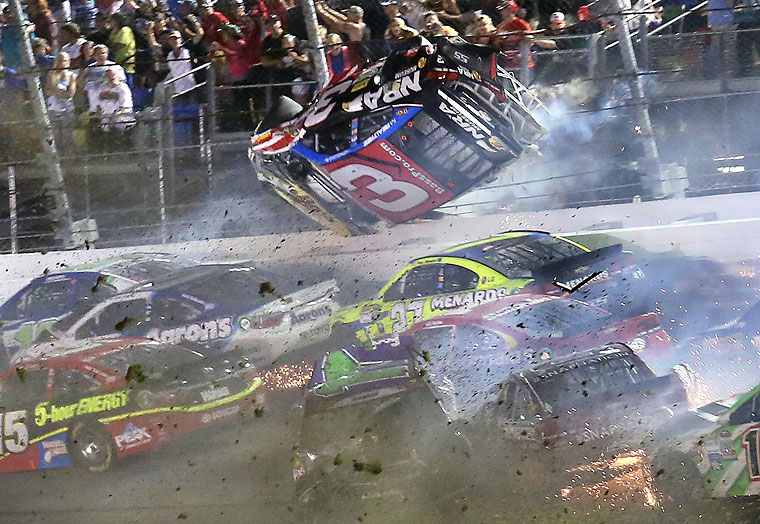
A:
[93,448]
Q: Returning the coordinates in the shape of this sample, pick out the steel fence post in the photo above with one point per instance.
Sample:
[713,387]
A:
[315,42]
[525,62]
[12,208]
[593,55]
[168,114]
[644,44]
[211,105]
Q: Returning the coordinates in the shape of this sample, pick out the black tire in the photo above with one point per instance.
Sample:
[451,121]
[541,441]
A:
[91,447]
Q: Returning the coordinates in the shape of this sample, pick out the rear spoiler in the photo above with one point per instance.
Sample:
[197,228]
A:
[552,271]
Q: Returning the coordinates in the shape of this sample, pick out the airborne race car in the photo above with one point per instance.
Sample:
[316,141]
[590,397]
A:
[398,138]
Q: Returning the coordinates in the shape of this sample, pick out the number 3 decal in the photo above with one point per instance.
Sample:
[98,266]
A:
[408,196]
[751,443]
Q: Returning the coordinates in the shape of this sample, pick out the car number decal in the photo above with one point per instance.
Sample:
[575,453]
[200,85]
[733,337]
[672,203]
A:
[15,433]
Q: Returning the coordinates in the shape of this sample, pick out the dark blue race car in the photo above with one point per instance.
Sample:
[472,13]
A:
[221,306]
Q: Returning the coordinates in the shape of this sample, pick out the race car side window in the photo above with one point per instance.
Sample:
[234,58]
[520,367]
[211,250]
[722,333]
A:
[420,281]
[116,317]
[458,278]
[170,311]
[46,299]
[72,383]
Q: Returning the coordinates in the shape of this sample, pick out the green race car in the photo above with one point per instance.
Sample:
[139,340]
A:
[487,270]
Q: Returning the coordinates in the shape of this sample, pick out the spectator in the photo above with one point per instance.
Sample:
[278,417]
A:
[398,31]
[211,21]
[122,43]
[459,17]
[252,28]
[434,27]
[108,7]
[112,101]
[147,50]
[748,38]
[44,22]
[273,40]
[85,59]
[84,13]
[12,87]
[484,31]
[60,86]
[94,74]
[585,26]
[232,46]
[351,24]
[11,38]
[71,40]
[392,9]
[61,10]
[42,57]
[512,30]
[339,57]
[301,66]
[102,30]
[191,29]
[180,64]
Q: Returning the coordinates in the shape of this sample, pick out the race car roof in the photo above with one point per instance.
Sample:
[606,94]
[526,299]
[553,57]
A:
[616,350]
[51,352]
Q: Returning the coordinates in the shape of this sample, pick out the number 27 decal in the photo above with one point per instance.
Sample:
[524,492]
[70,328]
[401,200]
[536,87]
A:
[399,314]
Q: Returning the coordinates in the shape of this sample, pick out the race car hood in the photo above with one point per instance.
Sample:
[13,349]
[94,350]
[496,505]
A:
[323,290]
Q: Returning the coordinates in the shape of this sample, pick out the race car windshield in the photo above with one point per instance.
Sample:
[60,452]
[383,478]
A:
[517,257]
[584,383]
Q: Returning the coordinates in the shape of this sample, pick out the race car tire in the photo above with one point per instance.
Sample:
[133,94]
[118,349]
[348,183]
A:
[91,446]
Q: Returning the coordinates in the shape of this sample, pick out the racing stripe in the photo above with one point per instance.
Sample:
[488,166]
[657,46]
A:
[187,409]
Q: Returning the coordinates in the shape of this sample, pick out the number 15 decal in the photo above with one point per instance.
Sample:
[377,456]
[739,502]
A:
[751,443]
[399,314]
[15,434]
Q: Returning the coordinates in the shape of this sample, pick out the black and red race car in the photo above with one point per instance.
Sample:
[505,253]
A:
[110,398]
[396,139]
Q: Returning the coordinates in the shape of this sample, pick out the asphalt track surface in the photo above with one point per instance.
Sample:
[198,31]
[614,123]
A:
[240,472]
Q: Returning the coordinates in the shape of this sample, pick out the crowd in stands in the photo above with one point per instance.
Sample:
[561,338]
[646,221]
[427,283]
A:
[105,57]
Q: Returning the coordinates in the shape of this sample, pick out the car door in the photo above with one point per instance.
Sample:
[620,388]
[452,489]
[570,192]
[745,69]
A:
[126,316]
[416,295]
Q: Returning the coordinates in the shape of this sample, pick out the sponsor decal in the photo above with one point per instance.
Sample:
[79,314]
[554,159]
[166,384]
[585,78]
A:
[46,412]
[53,452]
[215,393]
[205,331]
[597,433]
[570,284]
[461,121]
[388,94]
[406,72]
[412,51]
[361,84]
[421,62]
[411,169]
[528,301]
[312,314]
[469,73]
[469,299]
[220,413]
[321,330]
[131,437]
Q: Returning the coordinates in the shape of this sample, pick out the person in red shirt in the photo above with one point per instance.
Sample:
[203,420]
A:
[512,30]
[211,21]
